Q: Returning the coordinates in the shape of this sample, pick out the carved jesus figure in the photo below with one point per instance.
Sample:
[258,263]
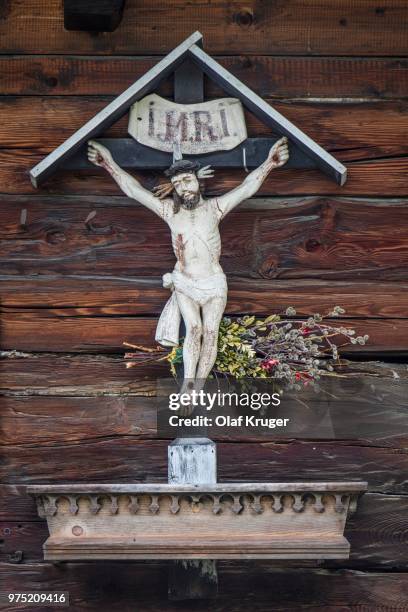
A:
[198,284]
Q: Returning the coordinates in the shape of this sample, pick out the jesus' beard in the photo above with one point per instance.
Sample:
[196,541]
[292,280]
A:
[189,202]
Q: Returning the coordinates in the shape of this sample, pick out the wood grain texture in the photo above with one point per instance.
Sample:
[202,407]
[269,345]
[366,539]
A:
[377,533]
[81,376]
[352,131]
[362,408]
[128,460]
[23,507]
[143,296]
[298,27]
[244,584]
[327,239]
[70,330]
[270,76]
[52,375]
[42,420]
[374,177]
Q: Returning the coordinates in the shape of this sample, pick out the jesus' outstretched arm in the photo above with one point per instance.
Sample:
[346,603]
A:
[278,156]
[101,156]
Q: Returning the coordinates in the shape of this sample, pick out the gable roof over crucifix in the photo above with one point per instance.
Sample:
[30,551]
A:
[306,153]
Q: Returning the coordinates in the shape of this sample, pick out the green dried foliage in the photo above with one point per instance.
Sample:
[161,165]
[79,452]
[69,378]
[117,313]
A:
[293,351]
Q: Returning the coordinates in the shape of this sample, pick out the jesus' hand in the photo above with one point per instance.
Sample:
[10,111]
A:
[98,154]
[279,153]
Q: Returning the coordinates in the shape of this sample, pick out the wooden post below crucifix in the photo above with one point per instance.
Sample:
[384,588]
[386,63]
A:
[192,461]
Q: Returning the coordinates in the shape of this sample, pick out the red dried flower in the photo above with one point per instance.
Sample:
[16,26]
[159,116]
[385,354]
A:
[268,364]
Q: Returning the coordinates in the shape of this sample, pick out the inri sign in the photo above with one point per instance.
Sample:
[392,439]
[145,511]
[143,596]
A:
[198,128]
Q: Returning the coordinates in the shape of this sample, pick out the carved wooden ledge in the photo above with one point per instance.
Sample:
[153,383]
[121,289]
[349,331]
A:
[222,521]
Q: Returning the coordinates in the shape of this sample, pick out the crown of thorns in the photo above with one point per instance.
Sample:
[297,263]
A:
[182,165]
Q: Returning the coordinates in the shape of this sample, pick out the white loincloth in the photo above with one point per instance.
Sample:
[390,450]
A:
[200,291]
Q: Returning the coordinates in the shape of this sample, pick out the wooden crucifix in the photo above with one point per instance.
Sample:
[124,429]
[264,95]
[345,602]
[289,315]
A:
[204,133]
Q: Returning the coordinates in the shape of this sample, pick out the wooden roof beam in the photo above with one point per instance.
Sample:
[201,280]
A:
[111,113]
[266,113]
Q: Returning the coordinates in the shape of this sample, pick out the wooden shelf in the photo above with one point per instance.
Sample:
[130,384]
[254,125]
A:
[221,521]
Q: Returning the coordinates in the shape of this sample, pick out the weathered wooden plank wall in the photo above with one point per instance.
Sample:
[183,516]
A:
[73,291]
